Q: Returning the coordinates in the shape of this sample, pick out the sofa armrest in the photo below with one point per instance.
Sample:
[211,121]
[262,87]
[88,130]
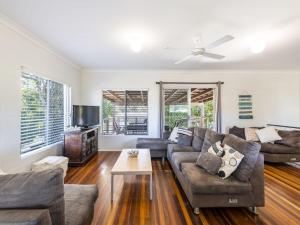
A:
[25,217]
[257,181]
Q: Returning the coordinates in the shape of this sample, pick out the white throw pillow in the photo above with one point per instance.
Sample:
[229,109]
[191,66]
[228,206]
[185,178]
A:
[250,134]
[230,162]
[174,135]
[216,149]
[268,134]
[2,173]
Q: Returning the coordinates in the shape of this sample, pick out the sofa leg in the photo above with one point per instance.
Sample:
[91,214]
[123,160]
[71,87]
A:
[197,211]
[253,210]
[163,160]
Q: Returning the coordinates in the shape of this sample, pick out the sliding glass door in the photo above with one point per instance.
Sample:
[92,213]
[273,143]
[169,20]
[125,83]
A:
[189,107]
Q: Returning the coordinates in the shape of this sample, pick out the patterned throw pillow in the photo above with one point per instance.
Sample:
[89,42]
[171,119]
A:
[217,149]
[185,131]
[2,173]
[230,162]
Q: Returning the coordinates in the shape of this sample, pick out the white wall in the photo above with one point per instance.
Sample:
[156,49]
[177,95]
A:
[276,96]
[18,49]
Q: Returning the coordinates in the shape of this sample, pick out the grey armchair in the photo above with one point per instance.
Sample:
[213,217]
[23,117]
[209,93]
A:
[41,198]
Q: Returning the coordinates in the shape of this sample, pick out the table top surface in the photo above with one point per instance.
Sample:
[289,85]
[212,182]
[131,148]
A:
[138,165]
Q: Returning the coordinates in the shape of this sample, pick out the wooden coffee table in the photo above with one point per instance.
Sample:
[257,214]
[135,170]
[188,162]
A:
[125,165]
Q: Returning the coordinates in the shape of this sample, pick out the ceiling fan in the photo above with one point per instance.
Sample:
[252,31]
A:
[201,51]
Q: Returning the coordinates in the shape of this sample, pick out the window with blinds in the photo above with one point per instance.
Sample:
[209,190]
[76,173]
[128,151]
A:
[44,113]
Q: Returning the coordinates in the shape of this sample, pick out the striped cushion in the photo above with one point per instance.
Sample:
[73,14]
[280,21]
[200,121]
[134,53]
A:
[185,131]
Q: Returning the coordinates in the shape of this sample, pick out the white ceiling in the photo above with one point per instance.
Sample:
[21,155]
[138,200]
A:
[95,33]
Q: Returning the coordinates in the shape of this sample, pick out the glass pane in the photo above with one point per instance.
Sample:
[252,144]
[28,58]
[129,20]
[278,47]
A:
[56,112]
[113,112]
[176,108]
[202,108]
[136,112]
[33,112]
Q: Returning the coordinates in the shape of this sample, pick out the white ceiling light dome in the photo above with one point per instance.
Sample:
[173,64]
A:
[257,46]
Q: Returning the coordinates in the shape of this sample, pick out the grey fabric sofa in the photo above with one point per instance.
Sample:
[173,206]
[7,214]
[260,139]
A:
[157,146]
[205,190]
[287,150]
[41,198]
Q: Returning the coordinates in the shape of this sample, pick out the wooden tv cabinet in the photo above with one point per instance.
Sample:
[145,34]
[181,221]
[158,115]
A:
[80,145]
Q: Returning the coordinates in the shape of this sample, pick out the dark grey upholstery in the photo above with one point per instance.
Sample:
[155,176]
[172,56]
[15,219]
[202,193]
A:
[182,157]
[205,190]
[279,149]
[157,146]
[285,150]
[211,137]
[80,200]
[199,135]
[25,217]
[250,150]
[184,140]
[176,148]
[45,190]
[209,162]
[202,182]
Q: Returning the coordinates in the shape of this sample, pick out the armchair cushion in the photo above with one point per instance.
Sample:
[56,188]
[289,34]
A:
[250,150]
[35,190]
[25,217]
[80,201]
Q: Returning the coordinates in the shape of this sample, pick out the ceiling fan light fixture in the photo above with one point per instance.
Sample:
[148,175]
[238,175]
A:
[136,44]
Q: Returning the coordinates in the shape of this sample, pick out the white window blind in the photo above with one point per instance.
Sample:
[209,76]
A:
[43,114]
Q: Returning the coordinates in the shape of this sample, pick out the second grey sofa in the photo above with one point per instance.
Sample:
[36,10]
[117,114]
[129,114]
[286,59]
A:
[41,198]
[205,190]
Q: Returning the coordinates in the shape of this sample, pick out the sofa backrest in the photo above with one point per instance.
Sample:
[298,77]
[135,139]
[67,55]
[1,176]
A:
[250,150]
[198,139]
[35,190]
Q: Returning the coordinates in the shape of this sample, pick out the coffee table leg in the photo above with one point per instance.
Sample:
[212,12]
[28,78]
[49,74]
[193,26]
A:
[112,187]
[150,186]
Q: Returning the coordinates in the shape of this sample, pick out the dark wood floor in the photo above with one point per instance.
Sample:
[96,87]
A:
[169,206]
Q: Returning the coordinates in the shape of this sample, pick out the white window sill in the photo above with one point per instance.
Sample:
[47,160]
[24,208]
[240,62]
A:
[39,150]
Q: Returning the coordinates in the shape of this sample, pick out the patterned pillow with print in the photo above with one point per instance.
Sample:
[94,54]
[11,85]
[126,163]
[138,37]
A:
[217,149]
[230,161]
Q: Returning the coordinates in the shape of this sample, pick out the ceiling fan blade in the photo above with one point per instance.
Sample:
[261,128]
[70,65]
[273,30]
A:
[184,59]
[212,55]
[219,42]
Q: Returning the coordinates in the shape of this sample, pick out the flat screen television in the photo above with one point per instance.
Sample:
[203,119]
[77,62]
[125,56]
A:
[85,116]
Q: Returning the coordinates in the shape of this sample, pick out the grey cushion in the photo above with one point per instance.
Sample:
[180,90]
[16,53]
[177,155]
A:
[211,137]
[289,138]
[25,217]
[41,190]
[79,200]
[202,182]
[238,131]
[250,150]
[176,148]
[181,157]
[279,149]
[184,140]
[199,135]
[152,143]
[210,162]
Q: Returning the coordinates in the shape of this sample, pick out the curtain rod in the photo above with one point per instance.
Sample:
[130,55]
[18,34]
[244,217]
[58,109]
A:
[161,82]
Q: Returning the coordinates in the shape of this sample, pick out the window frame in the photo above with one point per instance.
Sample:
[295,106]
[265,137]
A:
[67,106]
[125,89]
